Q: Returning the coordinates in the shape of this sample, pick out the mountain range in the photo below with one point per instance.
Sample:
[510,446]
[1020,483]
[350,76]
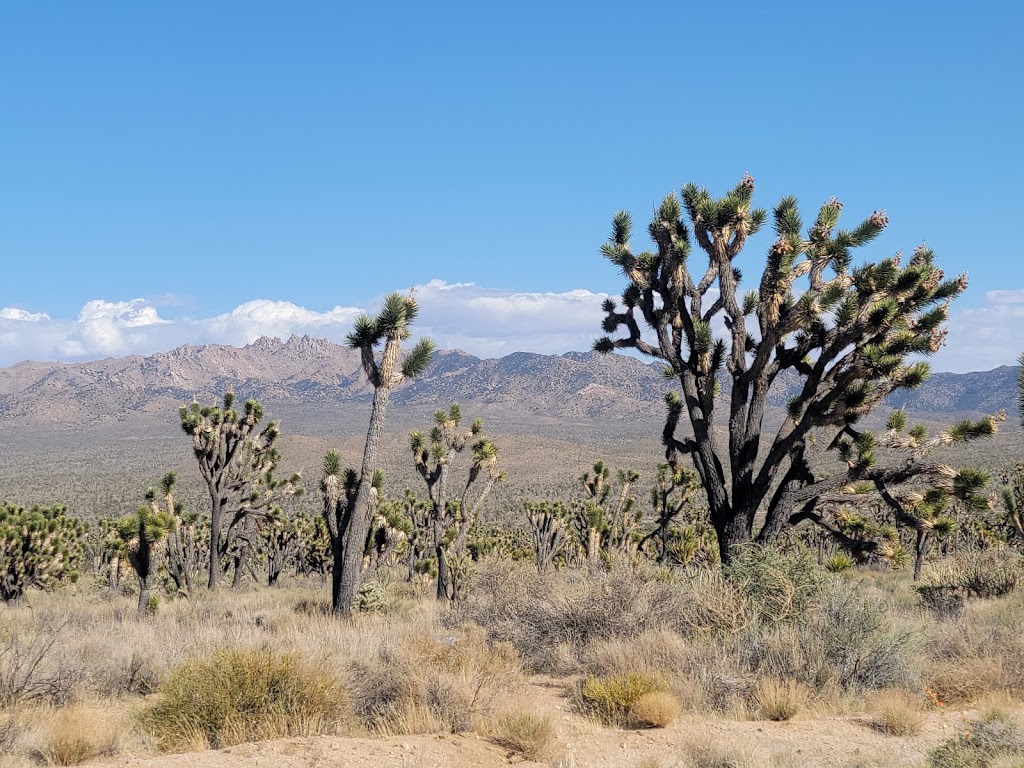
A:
[306,370]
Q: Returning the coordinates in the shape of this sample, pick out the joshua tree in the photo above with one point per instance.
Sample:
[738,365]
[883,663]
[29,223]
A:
[183,553]
[237,460]
[1013,480]
[282,536]
[839,341]
[352,520]
[673,491]
[39,547]
[451,516]
[605,523]
[142,532]
[548,526]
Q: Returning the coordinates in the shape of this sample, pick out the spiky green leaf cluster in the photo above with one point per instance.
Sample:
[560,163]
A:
[40,548]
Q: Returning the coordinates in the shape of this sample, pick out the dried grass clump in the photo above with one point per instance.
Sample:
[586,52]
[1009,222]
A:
[531,735]
[710,754]
[980,653]
[432,681]
[74,734]
[239,695]
[779,699]
[655,710]
[897,712]
[612,699]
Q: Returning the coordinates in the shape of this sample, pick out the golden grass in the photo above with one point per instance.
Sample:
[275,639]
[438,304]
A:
[530,734]
[779,699]
[897,712]
[656,709]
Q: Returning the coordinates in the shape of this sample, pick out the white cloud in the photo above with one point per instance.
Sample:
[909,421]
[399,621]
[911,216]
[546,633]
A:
[13,313]
[490,322]
[985,337]
[486,322]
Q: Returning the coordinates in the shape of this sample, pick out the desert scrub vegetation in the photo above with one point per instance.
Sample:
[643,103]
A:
[627,700]
[981,744]
[236,695]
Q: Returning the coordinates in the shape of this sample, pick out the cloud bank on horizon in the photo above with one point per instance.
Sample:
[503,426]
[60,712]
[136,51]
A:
[485,322]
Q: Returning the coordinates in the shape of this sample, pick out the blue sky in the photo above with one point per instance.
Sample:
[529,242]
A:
[190,172]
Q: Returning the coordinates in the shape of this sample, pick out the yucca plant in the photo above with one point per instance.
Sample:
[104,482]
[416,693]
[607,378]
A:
[350,497]
[237,460]
[845,337]
[39,547]
[453,504]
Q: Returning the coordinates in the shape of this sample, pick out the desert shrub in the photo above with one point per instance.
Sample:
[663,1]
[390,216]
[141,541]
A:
[529,734]
[780,585]
[30,667]
[709,753]
[779,699]
[847,639]
[981,745]
[896,712]
[429,683]
[945,601]
[539,613]
[238,695]
[656,709]
[611,699]
[77,733]
[979,653]
[991,572]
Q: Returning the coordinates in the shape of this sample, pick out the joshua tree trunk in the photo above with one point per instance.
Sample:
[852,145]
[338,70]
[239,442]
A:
[349,576]
[921,549]
[216,525]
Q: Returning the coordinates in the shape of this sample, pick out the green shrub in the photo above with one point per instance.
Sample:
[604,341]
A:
[239,695]
[847,639]
[982,745]
[991,572]
[780,585]
[612,699]
[839,563]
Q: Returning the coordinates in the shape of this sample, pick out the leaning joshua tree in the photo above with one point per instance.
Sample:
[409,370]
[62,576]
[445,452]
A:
[237,460]
[352,520]
[451,515]
[834,340]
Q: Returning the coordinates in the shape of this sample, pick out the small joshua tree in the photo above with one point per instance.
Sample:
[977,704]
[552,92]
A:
[141,534]
[673,491]
[183,553]
[282,536]
[352,521]
[39,547]
[237,460]
[843,335]
[452,514]
[605,523]
[549,530]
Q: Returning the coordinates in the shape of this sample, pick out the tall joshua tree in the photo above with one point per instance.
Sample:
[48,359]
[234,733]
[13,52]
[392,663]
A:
[237,460]
[842,334]
[351,521]
[451,515]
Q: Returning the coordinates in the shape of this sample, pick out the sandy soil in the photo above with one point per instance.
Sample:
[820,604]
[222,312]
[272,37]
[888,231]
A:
[811,741]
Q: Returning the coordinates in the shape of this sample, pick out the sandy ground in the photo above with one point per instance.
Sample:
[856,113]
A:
[819,741]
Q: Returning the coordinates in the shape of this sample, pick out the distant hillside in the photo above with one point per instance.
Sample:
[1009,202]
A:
[305,370]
